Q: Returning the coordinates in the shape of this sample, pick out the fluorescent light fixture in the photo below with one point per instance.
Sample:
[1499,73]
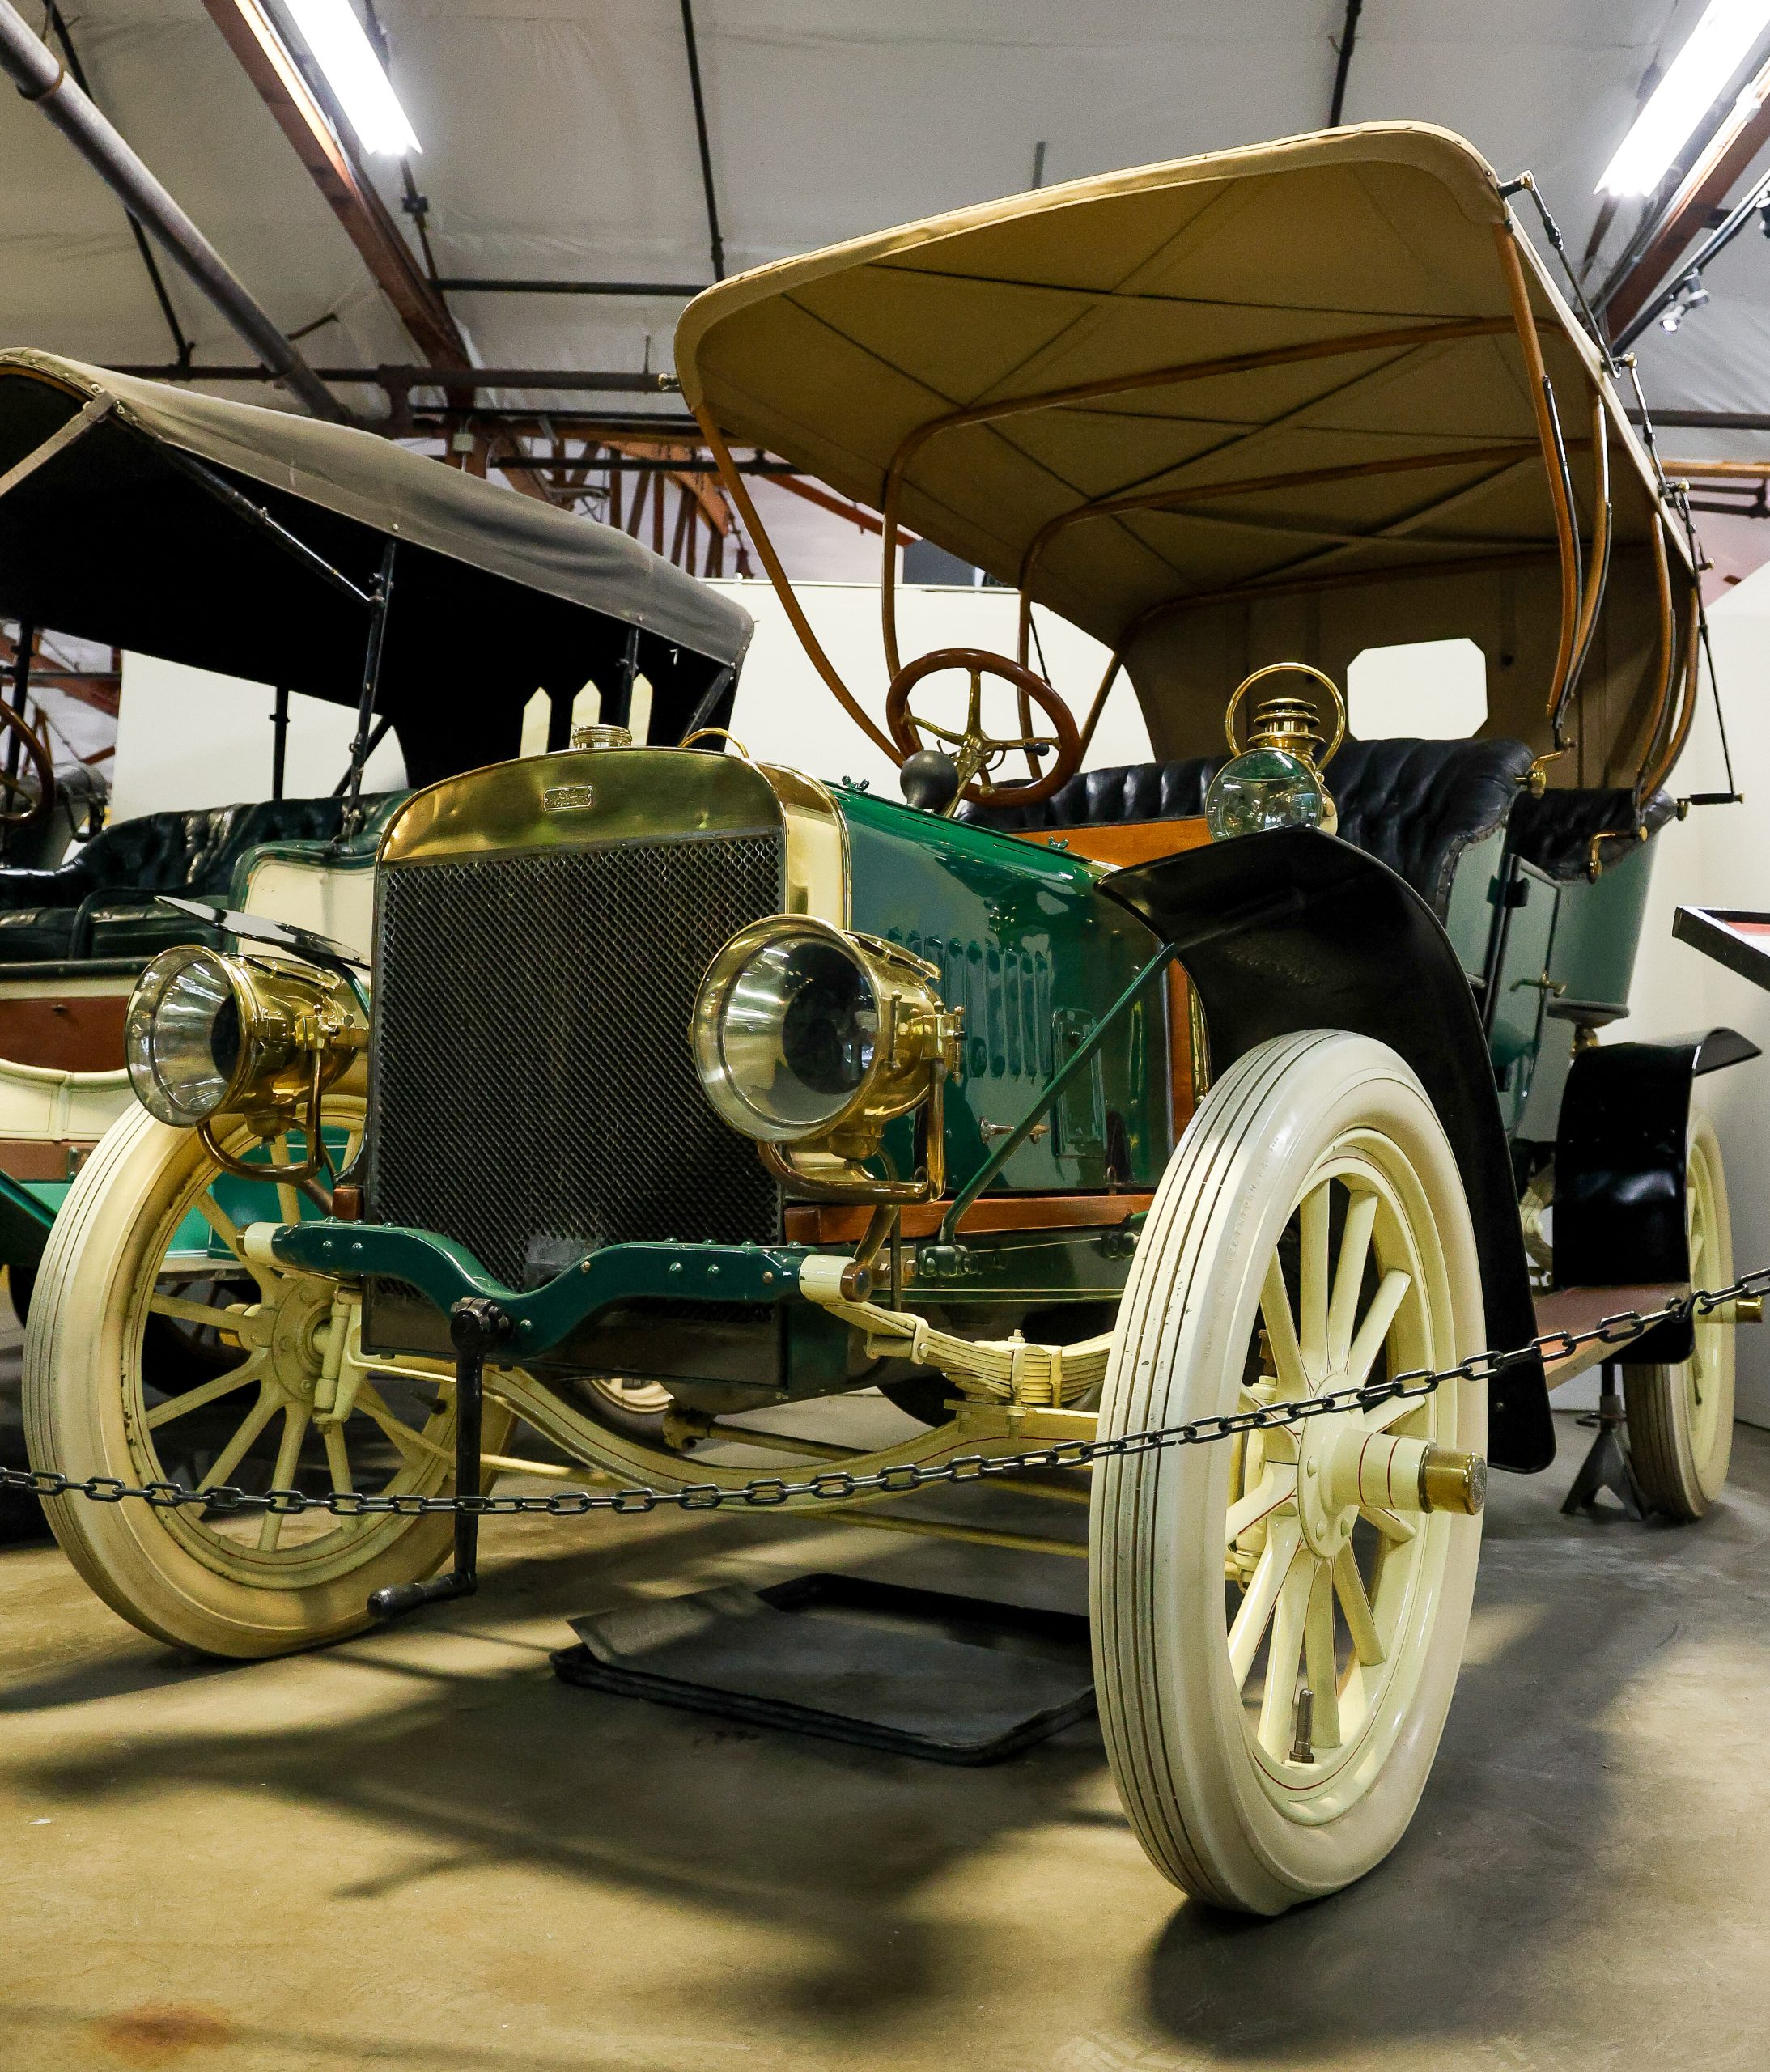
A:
[1718,45]
[343,51]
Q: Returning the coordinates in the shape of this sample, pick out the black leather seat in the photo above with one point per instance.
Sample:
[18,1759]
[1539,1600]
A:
[102,902]
[1415,806]
[1555,831]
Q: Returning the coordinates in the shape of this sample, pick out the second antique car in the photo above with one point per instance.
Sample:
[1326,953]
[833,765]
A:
[1060,1107]
[256,545]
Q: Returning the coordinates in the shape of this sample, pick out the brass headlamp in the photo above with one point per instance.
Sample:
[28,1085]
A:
[208,1034]
[811,1039]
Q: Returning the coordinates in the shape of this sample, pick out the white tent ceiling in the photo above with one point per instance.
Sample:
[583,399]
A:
[558,141]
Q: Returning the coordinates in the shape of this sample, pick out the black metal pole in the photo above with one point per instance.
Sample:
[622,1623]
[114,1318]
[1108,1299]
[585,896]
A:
[619,710]
[1712,247]
[181,344]
[1348,36]
[21,692]
[279,740]
[352,817]
[716,243]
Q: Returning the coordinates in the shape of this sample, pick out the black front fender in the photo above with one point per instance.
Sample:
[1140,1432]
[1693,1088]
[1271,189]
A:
[1297,930]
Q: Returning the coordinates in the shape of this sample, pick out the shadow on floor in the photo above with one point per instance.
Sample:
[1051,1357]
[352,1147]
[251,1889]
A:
[1522,1838]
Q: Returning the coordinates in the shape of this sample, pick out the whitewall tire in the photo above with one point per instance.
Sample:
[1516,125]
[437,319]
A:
[1680,1418]
[1311,1232]
[156,1352]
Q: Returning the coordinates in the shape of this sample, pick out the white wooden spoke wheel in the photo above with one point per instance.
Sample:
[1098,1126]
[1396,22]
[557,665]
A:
[1278,1621]
[1680,1418]
[155,1352]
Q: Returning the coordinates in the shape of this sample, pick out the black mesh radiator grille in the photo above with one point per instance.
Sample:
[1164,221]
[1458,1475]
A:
[531,1091]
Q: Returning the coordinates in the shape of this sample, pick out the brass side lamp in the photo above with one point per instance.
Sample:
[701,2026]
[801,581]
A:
[1275,780]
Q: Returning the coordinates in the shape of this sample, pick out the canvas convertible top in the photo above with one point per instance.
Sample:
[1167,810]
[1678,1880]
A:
[1278,403]
[133,513]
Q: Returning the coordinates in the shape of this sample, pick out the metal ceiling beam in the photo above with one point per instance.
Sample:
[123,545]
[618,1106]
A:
[42,78]
[1690,211]
[671,290]
[401,380]
[265,59]
[1707,420]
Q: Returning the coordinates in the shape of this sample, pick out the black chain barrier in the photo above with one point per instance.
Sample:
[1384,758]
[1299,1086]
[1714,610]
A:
[836,1486]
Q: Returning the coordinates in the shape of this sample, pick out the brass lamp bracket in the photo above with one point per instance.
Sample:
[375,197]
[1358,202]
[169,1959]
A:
[1293,724]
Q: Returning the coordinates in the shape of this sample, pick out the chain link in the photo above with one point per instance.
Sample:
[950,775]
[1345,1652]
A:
[836,1486]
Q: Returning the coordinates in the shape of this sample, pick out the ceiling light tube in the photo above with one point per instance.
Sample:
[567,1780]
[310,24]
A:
[343,51]
[1694,80]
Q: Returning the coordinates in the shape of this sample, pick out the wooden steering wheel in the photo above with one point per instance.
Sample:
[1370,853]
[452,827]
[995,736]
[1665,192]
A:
[976,752]
[19,805]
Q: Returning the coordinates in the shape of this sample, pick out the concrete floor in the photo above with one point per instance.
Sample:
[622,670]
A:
[421,1850]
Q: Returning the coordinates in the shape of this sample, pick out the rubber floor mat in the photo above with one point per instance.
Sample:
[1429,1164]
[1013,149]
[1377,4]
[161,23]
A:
[953,1680]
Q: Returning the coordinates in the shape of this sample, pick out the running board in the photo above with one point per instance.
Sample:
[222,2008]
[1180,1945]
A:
[1580,1308]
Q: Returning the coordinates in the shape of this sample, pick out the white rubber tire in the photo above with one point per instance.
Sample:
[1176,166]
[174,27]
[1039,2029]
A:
[80,1348]
[1174,1721]
[1680,1418]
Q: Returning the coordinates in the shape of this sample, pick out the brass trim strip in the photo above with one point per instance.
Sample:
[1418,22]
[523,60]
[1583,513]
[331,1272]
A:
[1530,344]
[1692,687]
[738,490]
[1599,570]
[1668,648]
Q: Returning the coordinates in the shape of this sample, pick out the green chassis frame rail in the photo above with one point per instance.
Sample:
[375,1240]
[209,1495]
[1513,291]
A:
[446,1273]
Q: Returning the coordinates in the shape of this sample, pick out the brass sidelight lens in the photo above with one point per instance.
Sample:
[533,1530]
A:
[208,1034]
[808,1035]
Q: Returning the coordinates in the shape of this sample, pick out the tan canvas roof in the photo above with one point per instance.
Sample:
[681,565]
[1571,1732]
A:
[1267,404]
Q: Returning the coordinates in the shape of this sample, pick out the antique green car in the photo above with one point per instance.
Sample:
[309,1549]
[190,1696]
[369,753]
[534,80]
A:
[1023,1101]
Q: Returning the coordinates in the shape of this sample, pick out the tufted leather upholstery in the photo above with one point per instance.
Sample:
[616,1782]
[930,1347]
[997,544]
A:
[1108,798]
[102,902]
[1555,832]
[1415,806]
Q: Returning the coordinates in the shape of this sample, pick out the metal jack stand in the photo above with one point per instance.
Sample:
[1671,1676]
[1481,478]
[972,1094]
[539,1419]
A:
[477,1327]
[1607,1465]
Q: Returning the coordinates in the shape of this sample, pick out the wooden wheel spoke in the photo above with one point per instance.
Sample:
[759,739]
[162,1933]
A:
[1260,1599]
[218,1219]
[1354,1607]
[1277,1486]
[1396,1410]
[1281,1331]
[213,1314]
[338,1460]
[1390,1524]
[288,1195]
[417,1449]
[1284,1655]
[1384,1306]
[1319,1664]
[181,1405]
[294,1430]
[1349,1276]
[1312,1303]
[235,1450]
